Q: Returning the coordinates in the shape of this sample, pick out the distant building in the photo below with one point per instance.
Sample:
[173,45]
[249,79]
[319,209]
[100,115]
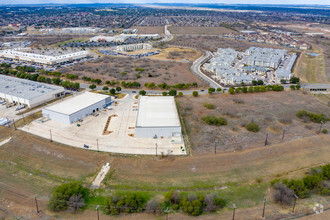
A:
[157,117]
[284,71]
[76,108]
[133,47]
[265,57]
[27,92]
[42,59]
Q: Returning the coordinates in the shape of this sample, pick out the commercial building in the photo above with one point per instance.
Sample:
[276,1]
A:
[133,47]
[157,117]
[27,92]
[76,108]
[42,59]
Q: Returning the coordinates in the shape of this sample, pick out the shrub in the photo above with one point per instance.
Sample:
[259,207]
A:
[282,194]
[180,94]
[298,187]
[129,203]
[208,106]
[324,131]
[231,91]
[195,93]
[211,90]
[213,120]
[64,192]
[292,87]
[254,127]
[153,206]
[316,118]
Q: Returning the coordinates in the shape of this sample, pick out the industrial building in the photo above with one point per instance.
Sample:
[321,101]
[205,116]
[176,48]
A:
[157,117]
[27,92]
[133,47]
[76,108]
[42,59]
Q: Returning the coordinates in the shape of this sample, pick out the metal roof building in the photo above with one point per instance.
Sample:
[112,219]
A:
[42,59]
[157,117]
[76,108]
[27,92]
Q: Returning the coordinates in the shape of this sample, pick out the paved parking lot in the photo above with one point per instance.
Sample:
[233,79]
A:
[121,132]
[9,113]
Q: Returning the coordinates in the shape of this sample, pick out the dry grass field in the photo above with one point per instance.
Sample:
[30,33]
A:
[312,68]
[124,69]
[273,111]
[212,43]
[178,54]
[32,166]
[200,30]
[149,29]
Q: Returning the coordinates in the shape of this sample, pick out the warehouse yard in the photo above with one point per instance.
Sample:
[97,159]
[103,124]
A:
[119,136]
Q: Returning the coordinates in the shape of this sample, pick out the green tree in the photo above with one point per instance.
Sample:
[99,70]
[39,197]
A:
[294,80]
[118,89]
[251,90]
[211,90]
[219,89]
[112,91]
[244,89]
[292,87]
[231,91]
[105,88]
[164,93]
[92,86]
[195,93]
[298,86]
[172,92]
[142,92]
[62,194]
[180,94]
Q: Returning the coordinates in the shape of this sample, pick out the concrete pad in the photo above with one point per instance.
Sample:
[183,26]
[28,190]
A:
[119,140]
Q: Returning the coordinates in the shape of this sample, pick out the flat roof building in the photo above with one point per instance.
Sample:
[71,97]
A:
[42,59]
[27,92]
[76,108]
[157,117]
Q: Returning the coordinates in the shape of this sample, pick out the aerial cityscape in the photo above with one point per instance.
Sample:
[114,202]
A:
[164,110]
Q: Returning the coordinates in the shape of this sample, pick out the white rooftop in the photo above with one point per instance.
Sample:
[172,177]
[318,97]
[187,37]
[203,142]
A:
[77,103]
[157,111]
[26,89]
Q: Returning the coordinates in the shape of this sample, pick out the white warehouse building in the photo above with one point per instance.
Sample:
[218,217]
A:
[157,117]
[27,92]
[76,108]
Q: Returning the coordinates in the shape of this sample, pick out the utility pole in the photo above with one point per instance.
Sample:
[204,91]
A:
[263,210]
[51,136]
[215,148]
[156,149]
[294,203]
[35,198]
[97,210]
[167,211]
[234,206]
[266,141]
[321,127]
[283,134]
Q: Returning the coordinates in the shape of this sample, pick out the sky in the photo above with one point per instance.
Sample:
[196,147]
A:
[321,2]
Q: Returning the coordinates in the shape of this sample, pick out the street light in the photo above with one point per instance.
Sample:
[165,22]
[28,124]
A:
[234,206]
[294,203]
[263,211]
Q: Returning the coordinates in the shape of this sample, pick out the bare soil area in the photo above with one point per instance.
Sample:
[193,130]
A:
[272,111]
[149,29]
[200,30]
[124,69]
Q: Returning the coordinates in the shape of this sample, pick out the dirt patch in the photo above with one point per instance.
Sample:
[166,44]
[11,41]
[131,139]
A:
[200,30]
[149,29]
[272,111]
[124,69]
[178,54]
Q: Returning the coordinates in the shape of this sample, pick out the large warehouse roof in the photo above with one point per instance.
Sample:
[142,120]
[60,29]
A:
[27,89]
[77,103]
[157,112]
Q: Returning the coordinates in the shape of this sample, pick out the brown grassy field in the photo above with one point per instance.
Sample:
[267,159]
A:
[32,166]
[200,30]
[273,111]
[123,69]
[312,69]
[212,43]
[149,29]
